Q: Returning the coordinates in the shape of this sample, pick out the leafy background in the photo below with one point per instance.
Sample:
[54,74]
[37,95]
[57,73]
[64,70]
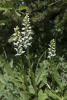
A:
[36,78]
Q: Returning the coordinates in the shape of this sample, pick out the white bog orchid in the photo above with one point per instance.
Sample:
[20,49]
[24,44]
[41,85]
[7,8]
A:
[52,49]
[22,40]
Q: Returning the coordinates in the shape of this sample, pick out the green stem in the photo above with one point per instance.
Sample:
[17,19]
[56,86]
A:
[31,73]
[24,74]
[52,70]
[41,58]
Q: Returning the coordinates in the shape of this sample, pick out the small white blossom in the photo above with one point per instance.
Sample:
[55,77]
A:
[23,28]
[23,33]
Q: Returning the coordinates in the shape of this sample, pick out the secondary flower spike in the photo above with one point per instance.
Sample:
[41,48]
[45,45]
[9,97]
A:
[52,49]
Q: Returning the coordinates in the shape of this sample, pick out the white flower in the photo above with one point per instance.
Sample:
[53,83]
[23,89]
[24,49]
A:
[29,44]
[30,38]
[23,33]
[23,28]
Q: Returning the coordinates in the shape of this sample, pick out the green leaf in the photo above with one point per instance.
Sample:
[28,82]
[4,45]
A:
[11,63]
[31,89]
[42,96]
[51,93]
[22,7]
[10,40]
[42,73]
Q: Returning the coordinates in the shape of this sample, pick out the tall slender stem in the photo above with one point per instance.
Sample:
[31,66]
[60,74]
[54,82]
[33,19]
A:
[24,74]
[31,73]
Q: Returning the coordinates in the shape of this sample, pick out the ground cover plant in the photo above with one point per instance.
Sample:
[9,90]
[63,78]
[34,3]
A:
[33,50]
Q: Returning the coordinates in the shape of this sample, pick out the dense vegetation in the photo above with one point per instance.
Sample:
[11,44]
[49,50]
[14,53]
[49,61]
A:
[33,49]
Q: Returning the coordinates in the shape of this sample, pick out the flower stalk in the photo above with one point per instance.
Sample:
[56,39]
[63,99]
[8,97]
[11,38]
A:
[52,49]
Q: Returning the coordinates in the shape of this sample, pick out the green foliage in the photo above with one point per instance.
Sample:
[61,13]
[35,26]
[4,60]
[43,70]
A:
[41,74]
[32,76]
[42,96]
[16,84]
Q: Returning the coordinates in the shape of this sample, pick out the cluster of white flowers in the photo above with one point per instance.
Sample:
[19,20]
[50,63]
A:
[17,41]
[52,49]
[26,32]
[22,40]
